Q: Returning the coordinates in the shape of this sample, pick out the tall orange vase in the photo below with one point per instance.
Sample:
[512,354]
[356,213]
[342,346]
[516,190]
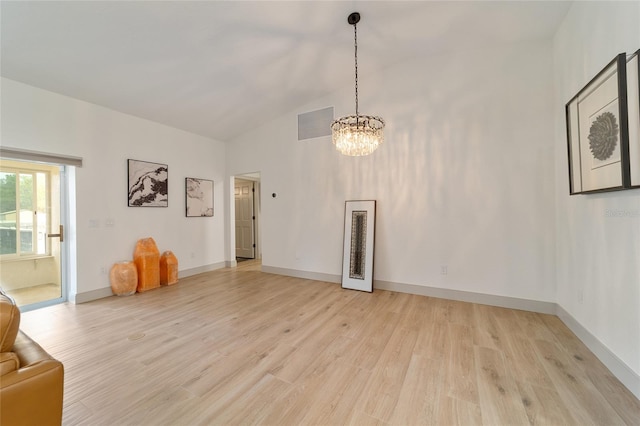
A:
[168,268]
[147,259]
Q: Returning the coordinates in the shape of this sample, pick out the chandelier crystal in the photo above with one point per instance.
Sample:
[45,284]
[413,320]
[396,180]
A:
[357,135]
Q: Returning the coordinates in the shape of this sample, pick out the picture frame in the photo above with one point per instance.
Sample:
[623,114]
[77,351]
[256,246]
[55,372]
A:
[358,249]
[633,95]
[598,132]
[147,184]
[198,197]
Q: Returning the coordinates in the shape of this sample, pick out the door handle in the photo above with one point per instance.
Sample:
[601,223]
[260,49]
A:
[59,235]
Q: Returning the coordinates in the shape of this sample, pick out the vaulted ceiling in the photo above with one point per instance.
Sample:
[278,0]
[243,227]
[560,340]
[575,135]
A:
[215,67]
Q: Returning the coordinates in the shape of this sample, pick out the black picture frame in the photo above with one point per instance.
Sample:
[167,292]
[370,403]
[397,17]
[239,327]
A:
[147,183]
[198,197]
[358,246]
[598,132]
[633,95]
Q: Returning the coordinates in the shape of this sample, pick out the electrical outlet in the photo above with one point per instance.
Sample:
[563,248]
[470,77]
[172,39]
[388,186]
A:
[103,271]
[444,270]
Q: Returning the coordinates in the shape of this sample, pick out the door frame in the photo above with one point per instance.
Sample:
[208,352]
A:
[68,261]
[257,208]
[64,246]
[240,185]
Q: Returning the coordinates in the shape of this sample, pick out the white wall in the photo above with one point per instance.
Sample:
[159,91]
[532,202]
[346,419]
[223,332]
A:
[38,120]
[464,179]
[598,236]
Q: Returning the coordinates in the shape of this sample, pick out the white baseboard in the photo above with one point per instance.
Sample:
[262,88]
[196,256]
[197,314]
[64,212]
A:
[101,293]
[468,296]
[200,269]
[622,371]
[442,293]
[88,296]
[307,275]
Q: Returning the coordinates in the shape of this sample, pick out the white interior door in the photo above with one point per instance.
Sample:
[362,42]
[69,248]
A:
[245,218]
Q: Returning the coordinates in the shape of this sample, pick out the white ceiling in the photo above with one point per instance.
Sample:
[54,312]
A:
[213,67]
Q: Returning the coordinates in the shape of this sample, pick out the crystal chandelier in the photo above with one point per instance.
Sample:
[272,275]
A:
[357,135]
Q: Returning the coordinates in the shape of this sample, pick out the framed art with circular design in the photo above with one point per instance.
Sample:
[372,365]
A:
[598,131]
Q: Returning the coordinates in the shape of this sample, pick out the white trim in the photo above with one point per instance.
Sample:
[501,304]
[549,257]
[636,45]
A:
[619,368]
[468,296]
[24,257]
[442,293]
[200,269]
[101,293]
[307,275]
[67,178]
[89,296]
[70,260]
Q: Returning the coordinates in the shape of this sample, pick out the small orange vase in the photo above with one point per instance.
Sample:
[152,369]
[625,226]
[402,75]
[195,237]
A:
[147,259]
[124,278]
[168,268]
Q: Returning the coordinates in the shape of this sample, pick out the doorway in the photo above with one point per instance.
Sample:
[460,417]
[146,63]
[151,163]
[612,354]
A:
[32,232]
[247,216]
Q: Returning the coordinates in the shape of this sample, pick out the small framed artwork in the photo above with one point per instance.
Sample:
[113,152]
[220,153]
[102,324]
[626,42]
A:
[633,95]
[199,197]
[148,184]
[359,236]
[598,132]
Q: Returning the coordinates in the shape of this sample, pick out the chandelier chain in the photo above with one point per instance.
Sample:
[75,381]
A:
[355,38]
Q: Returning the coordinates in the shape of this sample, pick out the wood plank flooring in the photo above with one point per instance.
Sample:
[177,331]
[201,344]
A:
[238,346]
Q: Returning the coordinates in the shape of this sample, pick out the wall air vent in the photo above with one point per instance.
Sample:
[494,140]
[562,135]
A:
[315,124]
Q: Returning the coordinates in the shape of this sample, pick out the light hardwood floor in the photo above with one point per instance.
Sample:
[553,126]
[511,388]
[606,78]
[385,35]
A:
[238,346]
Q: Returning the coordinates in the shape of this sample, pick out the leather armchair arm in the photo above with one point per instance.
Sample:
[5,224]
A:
[8,362]
[33,395]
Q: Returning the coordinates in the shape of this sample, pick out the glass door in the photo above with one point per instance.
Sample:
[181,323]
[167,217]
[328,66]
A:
[31,233]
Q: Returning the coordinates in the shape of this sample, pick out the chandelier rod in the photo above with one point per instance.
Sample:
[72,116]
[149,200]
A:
[355,42]
[353,19]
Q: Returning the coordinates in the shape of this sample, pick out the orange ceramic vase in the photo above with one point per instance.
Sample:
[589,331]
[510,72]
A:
[168,268]
[147,259]
[124,278]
